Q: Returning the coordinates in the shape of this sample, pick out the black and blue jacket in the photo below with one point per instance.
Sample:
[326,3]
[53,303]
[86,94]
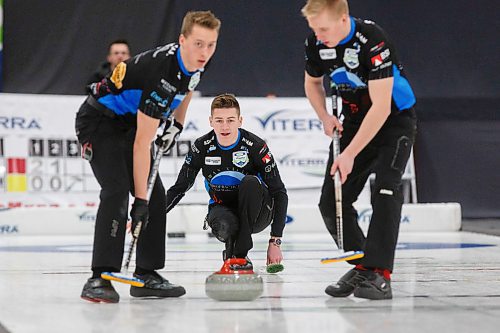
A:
[154,82]
[365,54]
[225,167]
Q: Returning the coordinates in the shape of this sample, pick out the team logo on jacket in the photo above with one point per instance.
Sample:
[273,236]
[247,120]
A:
[195,79]
[240,158]
[351,59]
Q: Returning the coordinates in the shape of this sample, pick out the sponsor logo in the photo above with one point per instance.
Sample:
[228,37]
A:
[195,79]
[195,149]
[207,142]
[212,160]
[161,101]
[369,22]
[167,86]
[277,121]
[248,142]
[268,168]
[379,58]
[169,49]
[19,123]
[313,164]
[365,216]
[8,229]
[328,54]
[87,216]
[188,159]
[267,158]
[289,219]
[211,148]
[240,158]
[361,37]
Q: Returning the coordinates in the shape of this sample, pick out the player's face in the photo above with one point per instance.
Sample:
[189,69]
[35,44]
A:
[117,54]
[225,123]
[198,47]
[330,30]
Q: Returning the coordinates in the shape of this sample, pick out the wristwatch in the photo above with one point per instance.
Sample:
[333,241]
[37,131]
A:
[275,241]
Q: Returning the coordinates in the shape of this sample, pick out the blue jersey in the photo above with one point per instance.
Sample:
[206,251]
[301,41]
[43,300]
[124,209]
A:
[154,82]
[365,54]
[225,167]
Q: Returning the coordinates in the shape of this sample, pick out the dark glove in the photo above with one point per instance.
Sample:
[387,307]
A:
[168,138]
[139,213]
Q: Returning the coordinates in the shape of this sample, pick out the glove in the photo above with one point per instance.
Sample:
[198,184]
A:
[168,138]
[139,213]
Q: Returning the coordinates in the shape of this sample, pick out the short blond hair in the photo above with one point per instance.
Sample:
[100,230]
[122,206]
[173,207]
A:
[225,101]
[205,19]
[336,7]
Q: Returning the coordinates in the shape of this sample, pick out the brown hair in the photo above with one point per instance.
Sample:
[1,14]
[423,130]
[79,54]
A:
[225,101]
[336,7]
[205,19]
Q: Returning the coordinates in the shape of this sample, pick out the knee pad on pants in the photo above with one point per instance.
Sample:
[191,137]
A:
[223,228]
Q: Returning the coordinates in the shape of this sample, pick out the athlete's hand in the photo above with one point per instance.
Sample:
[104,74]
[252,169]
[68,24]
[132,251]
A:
[331,122]
[274,255]
[169,137]
[343,163]
[139,213]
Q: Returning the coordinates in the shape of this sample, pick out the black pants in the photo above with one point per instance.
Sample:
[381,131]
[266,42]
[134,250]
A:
[112,164]
[386,155]
[236,225]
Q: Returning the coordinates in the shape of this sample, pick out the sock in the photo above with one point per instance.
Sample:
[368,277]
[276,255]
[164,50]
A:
[384,272]
[360,268]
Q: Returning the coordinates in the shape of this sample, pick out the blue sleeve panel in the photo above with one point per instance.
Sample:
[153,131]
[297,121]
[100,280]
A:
[121,104]
[403,95]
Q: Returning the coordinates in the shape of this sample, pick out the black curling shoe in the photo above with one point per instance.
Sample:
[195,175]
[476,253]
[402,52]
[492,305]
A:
[99,290]
[156,286]
[348,282]
[376,287]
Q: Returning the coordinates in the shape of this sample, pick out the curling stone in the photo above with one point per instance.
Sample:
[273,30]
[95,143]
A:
[234,285]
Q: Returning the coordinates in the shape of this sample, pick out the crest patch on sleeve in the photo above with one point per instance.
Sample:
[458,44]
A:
[119,74]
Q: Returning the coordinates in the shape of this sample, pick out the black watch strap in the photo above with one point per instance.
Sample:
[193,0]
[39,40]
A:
[275,241]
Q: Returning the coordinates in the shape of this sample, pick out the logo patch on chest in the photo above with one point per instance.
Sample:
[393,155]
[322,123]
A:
[328,54]
[212,160]
[240,158]
[351,59]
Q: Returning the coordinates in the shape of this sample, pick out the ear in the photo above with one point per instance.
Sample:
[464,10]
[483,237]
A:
[241,121]
[182,39]
[210,119]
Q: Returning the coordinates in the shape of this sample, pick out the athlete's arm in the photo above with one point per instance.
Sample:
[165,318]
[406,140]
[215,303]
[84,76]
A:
[146,130]
[186,178]
[180,111]
[381,95]
[316,95]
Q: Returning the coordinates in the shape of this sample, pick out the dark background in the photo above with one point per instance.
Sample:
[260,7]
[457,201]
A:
[450,50]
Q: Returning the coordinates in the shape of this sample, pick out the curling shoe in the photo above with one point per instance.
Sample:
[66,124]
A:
[99,290]
[348,282]
[375,287]
[156,286]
